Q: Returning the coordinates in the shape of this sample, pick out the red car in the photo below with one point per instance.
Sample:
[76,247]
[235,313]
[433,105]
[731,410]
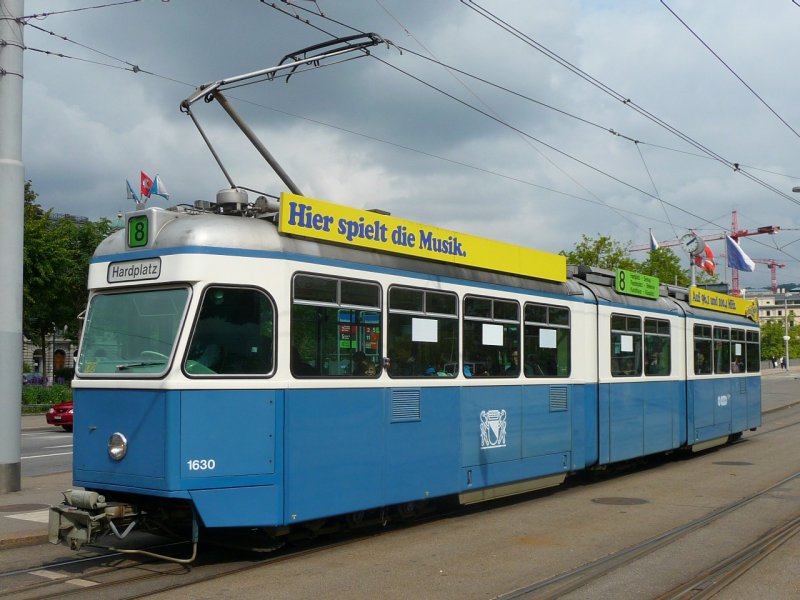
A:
[60,415]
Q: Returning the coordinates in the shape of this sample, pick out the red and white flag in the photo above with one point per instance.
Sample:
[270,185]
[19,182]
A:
[147,184]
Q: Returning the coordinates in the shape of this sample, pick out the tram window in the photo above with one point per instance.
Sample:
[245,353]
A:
[753,352]
[315,289]
[657,359]
[547,341]
[722,350]
[626,346]
[703,347]
[233,334]
[131,333]
[478,307]
[406,299]
[738,349]
[356,293]
[336,333]
[441,303]
[491,337]
[422,335]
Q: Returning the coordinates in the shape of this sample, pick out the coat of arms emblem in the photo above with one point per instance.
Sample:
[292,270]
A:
[493,428]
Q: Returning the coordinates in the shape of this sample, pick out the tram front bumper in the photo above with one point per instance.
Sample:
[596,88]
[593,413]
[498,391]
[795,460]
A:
[83,516]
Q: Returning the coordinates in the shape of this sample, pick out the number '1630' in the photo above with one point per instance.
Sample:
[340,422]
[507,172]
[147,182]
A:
[201,464]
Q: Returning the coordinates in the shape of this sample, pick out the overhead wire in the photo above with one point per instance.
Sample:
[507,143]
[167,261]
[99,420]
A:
[655,188]
[72,10]
[132,67]
[475,95]
[736,166]
[496,119]
[66,39]
[727,66]
[477,8]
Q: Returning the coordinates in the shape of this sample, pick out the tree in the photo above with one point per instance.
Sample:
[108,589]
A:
[607,253]
[772,339]
[666,265]
[56,258]
[772,343]
[603,252]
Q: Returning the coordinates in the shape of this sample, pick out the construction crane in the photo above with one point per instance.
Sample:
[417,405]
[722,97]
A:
[735,234]
[773,269]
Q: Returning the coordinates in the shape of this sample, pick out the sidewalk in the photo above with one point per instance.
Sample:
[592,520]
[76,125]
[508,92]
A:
[24,514]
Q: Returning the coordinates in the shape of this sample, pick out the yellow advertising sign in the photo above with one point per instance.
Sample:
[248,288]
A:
[329,222]
[723,303]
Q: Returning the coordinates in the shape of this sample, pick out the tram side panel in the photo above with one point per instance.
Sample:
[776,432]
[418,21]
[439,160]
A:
[230,454]
[753,402]
[334,456]
[421,451]
[723,384]
[640,413]
[514,433]
[537,427]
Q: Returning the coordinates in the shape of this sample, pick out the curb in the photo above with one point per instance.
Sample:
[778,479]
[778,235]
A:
[23,539]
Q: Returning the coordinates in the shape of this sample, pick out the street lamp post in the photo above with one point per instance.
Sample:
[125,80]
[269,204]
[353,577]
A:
[795,189]
[786,330]
[53,356]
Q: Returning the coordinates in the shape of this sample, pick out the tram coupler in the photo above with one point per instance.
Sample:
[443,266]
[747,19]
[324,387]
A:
[83,516]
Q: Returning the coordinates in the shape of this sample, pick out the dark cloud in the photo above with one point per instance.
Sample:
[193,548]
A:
[88,127]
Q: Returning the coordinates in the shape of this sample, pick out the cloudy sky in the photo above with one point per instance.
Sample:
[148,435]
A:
[567,118]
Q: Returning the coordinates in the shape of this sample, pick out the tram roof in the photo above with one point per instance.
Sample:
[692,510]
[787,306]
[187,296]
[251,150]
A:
[241,235]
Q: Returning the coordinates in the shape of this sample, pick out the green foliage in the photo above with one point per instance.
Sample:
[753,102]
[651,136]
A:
[55,269]
[772,343]
[41,395]
[666,265]
[605,252]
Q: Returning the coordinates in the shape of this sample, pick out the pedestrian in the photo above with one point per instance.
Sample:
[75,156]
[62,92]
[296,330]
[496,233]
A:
[774,361]
[783,362]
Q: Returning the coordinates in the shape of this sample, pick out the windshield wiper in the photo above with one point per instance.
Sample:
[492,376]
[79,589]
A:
[140,364]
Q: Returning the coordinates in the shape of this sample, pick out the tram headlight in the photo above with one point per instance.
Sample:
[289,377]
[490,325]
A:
[117,446]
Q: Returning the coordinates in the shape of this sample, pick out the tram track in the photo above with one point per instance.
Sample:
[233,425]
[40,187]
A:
[732,567]
[711,581]
[134,578]
[67,578]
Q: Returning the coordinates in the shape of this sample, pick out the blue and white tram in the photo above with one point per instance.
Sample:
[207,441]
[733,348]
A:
[232,376]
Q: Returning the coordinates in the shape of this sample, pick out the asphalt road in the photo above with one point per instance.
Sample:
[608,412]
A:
[46,452]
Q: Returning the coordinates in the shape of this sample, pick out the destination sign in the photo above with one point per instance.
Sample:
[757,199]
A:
[723,303]
[134,270]
[329,222]
[138,231]
[636,284]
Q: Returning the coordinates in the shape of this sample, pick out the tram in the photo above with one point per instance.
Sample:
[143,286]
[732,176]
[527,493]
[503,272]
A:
[287,367]
[242,369]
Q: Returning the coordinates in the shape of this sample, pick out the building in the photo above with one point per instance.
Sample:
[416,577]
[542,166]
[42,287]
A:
[776,307]
[60,352]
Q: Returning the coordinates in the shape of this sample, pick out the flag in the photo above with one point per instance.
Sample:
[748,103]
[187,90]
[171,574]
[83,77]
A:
[158,188]
[147,183]
[705,260]
[131,194]
[653,242]
[737,259]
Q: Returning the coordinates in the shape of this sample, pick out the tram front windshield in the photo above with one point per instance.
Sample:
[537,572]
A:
[131,333]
